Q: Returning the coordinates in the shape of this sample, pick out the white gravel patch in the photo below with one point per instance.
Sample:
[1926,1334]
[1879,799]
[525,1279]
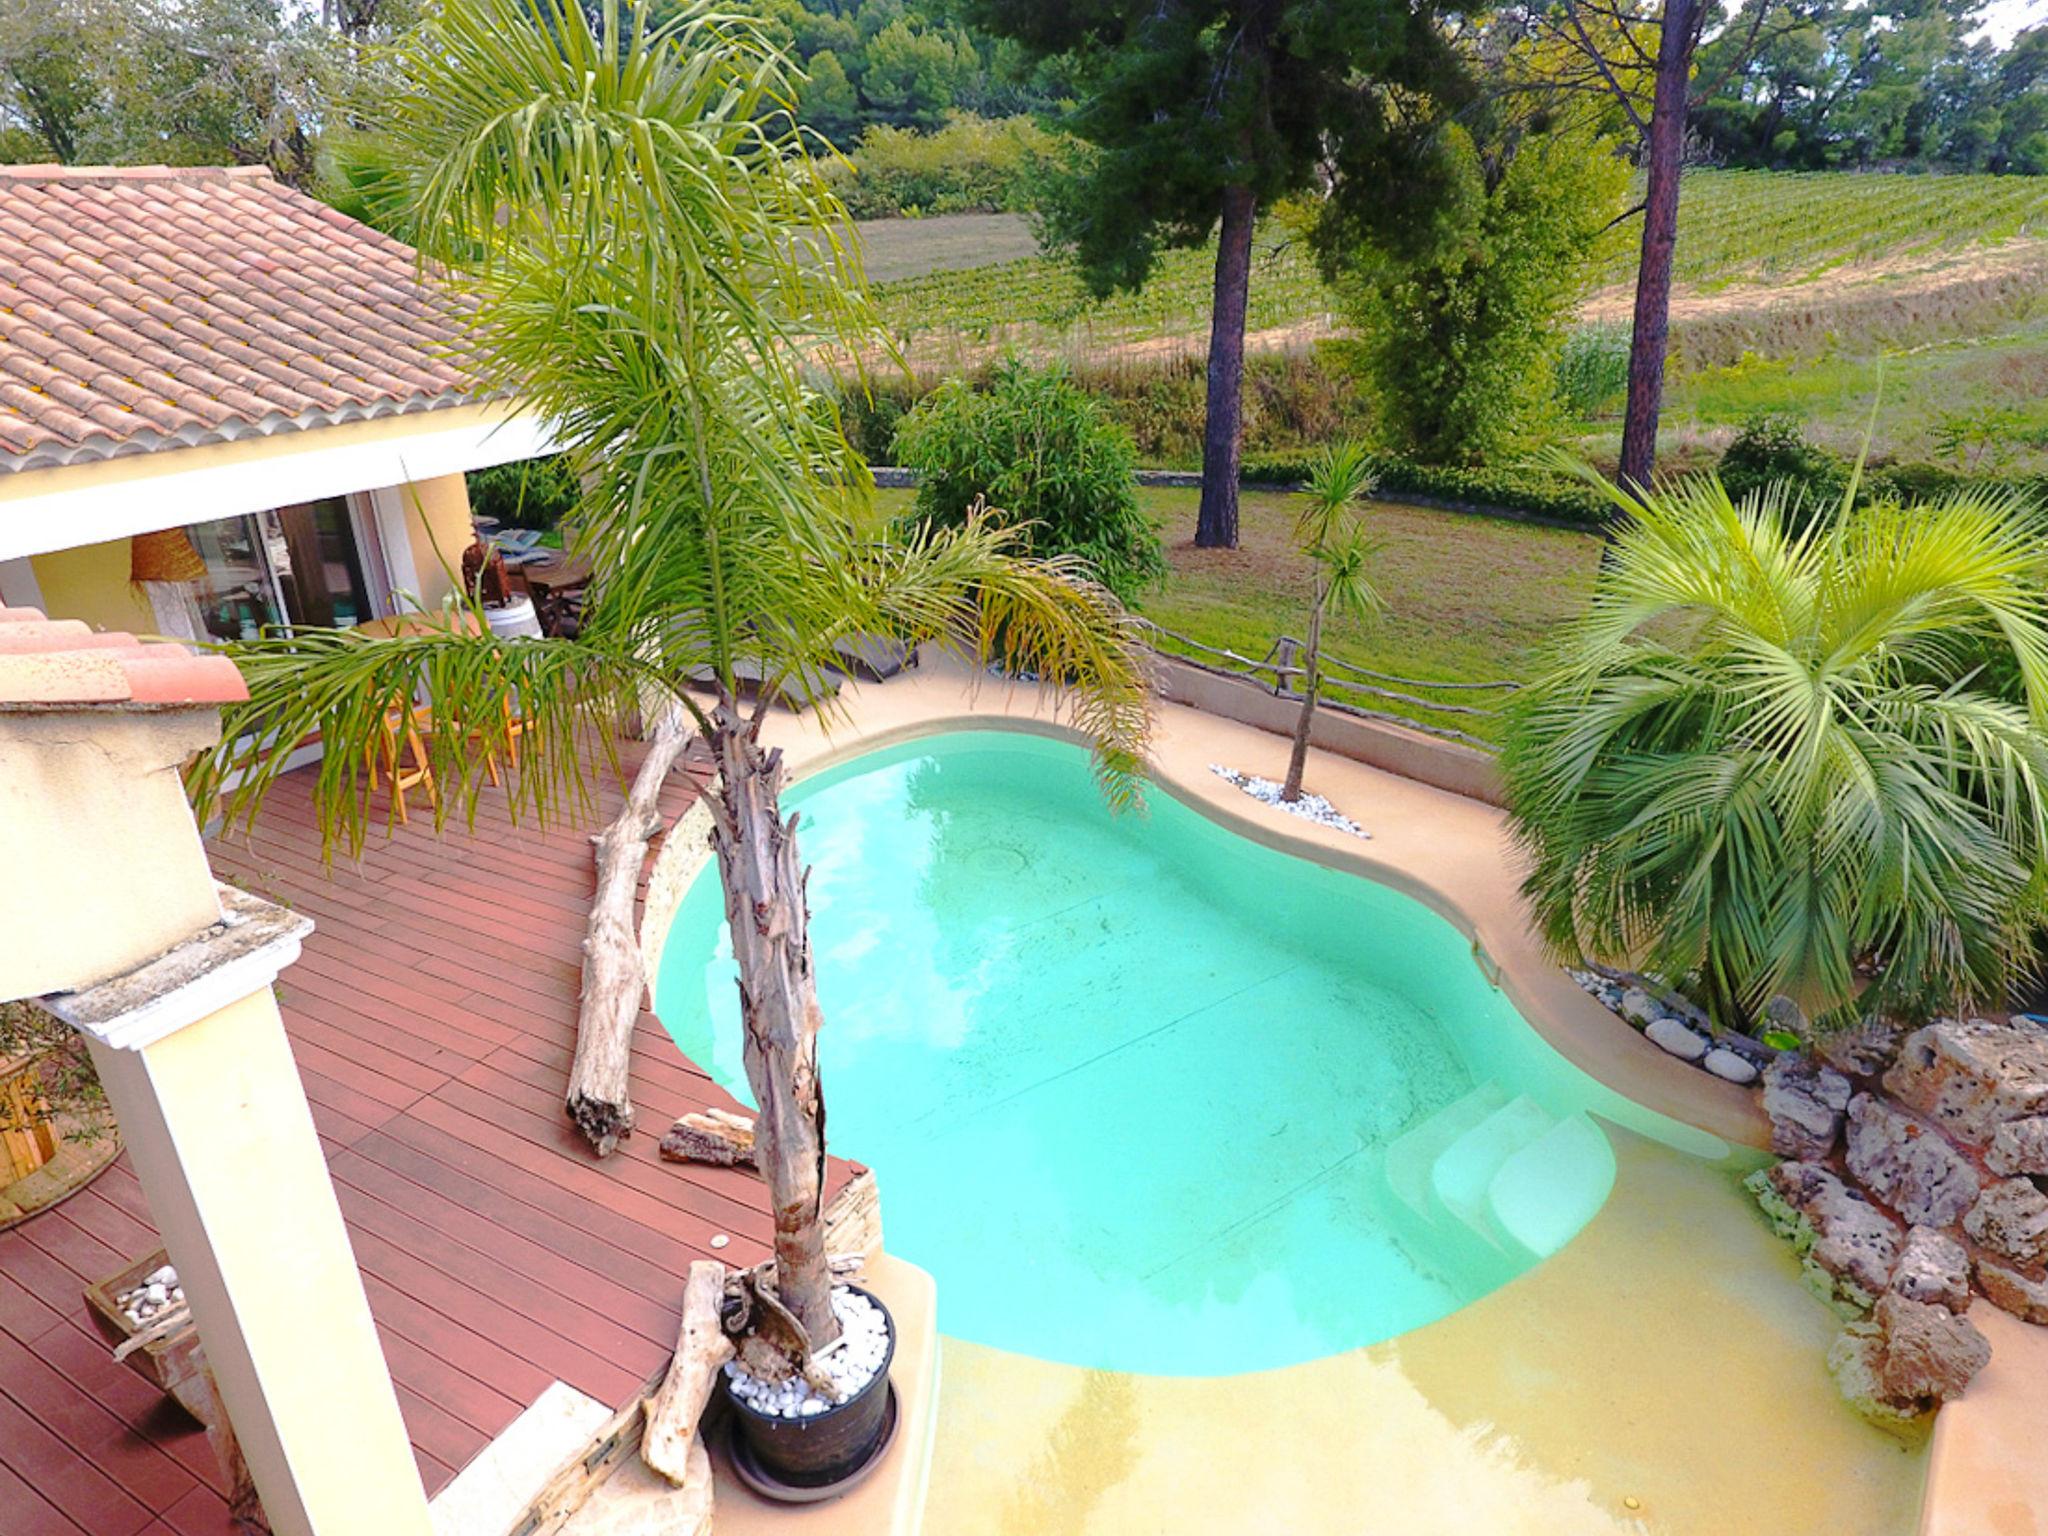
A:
[1309,807]
[851,1363]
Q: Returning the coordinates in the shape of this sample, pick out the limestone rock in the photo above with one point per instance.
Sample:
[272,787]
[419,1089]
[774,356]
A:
[1807,1104]
[1933,1267]
[1908,1164]
[1861,1050]
[1971,1077]
[2011,1219]
[1910,1357]
[1729,1065]
[1669,1034]
[1783,1013]
[2020,1146]
[1848,1245]
[2021,1295]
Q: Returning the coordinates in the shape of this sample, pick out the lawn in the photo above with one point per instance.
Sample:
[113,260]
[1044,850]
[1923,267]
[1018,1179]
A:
[1468,598]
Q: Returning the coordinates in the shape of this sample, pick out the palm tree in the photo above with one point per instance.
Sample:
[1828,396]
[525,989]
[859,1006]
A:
[654,266]
[1341,551]
[1768,762]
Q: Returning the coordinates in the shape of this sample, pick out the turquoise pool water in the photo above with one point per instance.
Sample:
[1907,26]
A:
[1144,1095]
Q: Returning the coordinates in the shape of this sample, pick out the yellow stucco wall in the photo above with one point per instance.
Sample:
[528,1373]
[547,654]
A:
[91,583]
[437,523]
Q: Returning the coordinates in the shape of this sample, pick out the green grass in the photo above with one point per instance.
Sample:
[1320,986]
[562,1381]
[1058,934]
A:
[1468,598]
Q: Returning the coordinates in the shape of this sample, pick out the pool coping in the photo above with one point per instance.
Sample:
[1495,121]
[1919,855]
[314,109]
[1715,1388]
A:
[1445,850]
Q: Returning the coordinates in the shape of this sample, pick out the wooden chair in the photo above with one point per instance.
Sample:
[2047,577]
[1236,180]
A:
[419,720]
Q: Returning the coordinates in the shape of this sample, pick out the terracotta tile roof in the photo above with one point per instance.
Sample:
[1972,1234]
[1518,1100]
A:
[149,307]
[62,664]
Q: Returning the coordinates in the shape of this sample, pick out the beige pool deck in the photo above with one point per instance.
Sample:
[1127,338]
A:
[1663,1374]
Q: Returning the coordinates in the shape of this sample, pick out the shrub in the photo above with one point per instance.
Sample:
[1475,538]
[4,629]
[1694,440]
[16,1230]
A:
[1457,324]
[1771,449]
[1592,370]
[1046,456]
[1535,492]
[528,493]
[1755,767]
[971,165]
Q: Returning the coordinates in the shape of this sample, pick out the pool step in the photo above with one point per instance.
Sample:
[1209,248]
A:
[1411,1155]
[1541,1195]
[1464,1171]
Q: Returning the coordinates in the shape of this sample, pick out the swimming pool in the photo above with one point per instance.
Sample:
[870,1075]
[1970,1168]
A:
[1143,1095]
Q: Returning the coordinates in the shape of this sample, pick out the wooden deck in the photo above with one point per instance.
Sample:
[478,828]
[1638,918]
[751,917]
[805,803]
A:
[432,1015]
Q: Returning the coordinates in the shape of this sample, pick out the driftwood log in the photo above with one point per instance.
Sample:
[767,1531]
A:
[766,912]
[717,1137]
[670,1444]
[613,979]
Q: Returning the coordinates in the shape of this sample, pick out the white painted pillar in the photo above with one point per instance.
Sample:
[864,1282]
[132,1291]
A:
[193,1055]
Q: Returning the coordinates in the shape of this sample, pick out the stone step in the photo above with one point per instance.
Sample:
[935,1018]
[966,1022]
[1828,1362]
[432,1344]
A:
[1462,1174]
[1541,1195]
[1412,1154]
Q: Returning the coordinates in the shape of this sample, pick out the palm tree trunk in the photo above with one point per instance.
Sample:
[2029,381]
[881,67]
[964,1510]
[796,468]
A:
[766,909]
[1311,683]
[1223,430]
[1662,162]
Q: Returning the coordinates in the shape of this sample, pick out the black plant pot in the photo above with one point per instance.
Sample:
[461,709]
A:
[810,1455]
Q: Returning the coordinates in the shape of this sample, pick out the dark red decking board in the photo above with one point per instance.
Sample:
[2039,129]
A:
[432,1017]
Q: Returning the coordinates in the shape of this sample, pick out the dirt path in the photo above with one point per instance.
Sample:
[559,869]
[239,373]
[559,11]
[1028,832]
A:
[1903,277]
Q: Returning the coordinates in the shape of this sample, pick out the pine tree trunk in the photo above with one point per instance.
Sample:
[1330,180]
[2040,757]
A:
[1663,160]
[1223,430]
[1311,682]
[766,908]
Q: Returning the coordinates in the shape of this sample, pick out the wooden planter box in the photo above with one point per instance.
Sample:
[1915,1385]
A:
[172,1364]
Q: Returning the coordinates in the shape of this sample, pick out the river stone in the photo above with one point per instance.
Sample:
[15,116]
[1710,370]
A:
[1673,1035]
[2020,1146]
[1907,1359]
[1848,1245]
[1908,1164]
[1933,1267]
[1807,1104]
[2008,1289]
[2011,1219]
[1639,1008]
[1971,1077]
[1729,1066]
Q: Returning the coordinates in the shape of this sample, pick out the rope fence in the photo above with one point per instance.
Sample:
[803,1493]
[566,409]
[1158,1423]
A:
[1344,684]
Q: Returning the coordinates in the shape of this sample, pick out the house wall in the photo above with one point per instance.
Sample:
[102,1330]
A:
[437,530]
[91,583]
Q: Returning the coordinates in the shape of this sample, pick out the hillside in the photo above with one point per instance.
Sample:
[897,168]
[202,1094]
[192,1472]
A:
[953,288]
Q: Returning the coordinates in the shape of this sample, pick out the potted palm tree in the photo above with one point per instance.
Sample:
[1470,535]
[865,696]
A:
[654,263]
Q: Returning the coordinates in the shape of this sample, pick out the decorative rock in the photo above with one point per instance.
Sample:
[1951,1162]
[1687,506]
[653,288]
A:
[1935,1268]
[1724,1063]
[1848,1245]
[1972,1077]
[1806,1103]
[1782,1013]
[1861,1050]
[1673,1035]
[2011,1291]
[1908,1164]
[2011,1219]
[1911,1357]
[1641,1009]
[2020,1146]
